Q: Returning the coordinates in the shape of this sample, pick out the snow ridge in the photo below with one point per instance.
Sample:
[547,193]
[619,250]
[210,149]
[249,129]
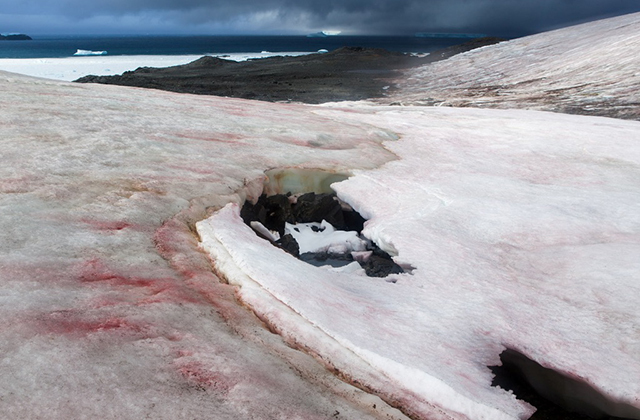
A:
[589,69]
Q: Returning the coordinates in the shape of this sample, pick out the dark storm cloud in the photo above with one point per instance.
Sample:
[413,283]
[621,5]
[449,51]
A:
[500,17]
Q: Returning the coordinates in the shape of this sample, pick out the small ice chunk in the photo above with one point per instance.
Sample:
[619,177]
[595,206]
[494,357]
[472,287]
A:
[89,52]
[353,268]
[262,230]
[323,237]
[361,256]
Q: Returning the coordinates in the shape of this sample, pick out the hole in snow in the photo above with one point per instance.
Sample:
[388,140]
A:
[555,395]
[319,229]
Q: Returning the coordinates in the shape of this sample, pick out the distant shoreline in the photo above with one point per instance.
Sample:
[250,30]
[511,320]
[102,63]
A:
[15,37]
[73,67]
[345,74]
[65,46]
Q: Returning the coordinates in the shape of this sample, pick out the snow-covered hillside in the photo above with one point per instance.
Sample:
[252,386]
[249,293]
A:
[590,69]
[118,205]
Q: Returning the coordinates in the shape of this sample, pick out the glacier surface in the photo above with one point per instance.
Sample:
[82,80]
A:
[589,69]
[523,228]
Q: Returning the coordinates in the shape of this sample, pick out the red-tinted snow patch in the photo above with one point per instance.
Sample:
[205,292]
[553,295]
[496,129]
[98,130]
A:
[203,169]
[179,245]
[17,185]
[73,323]
[153,290]
[108,225]
[226,138]
[196,373]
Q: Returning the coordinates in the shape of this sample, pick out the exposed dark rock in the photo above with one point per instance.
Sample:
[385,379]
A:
[509,376]
[272,212]
[353,221]
[289,244]
[254,212]
[275,210]
[380,264]
[346,74]
[278,212]
[313,207]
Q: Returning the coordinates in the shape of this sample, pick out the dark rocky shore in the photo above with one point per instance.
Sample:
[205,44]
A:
[346,74]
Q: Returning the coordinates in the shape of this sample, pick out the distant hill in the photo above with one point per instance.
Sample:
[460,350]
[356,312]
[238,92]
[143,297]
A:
[15,37]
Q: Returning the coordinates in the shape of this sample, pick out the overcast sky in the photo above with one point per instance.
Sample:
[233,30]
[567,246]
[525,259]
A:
[493,17]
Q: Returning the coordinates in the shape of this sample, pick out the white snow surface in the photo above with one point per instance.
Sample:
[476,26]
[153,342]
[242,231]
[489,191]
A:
[590,69]
[266,233]
[523,228]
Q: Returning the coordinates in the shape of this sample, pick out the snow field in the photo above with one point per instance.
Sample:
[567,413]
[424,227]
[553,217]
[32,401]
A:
[507,226]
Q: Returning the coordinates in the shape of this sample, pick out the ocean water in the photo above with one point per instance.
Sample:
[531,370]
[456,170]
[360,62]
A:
[66,46]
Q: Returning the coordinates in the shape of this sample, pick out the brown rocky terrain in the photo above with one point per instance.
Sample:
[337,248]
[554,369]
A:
[346,74]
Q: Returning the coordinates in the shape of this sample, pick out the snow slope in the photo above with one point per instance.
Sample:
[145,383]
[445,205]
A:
[590,69]
[524,229]
[108,308]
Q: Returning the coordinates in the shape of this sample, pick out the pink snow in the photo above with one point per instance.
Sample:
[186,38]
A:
[520,239]
[523,228]
[109,310]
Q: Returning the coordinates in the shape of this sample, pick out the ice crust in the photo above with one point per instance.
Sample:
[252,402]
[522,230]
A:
[523,228]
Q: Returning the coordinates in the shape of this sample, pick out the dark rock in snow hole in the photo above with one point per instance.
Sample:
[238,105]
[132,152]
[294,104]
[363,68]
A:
[313,207]
[276,210]
[511,376]
[289,244]
[272,212]
[380,264]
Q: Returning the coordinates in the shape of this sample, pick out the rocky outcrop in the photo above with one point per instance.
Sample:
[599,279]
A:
[276,210]
[346,74]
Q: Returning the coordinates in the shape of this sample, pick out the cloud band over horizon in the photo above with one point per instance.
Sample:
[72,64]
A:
[383,17]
